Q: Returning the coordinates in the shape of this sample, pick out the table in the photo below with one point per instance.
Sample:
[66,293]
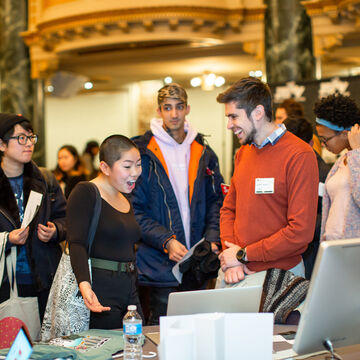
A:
[347,353]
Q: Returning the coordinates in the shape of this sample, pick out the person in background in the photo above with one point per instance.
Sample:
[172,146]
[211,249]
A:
[302,128]
[38,250]
[268,217]
[69,170]
[337,123]
[88,158]
[177,198]
[114,279]
[290,107]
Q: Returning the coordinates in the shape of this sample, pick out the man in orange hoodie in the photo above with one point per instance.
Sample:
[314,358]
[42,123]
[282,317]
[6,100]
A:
[268,216]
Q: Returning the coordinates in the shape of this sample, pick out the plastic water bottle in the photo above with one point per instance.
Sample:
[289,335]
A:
[132,326]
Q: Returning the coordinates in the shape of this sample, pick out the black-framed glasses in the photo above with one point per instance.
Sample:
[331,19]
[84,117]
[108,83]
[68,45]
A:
[325,140]
[22,139]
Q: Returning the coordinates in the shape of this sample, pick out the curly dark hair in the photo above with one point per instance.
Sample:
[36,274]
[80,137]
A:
[338,109]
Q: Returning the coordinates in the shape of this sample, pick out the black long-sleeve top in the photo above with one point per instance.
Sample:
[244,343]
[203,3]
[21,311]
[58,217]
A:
[114,238]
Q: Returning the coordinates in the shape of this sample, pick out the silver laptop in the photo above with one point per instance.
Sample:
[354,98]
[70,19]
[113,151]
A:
[332,306]
[228,300]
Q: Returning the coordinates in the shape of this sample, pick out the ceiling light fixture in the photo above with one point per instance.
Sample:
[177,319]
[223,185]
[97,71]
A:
[88,85]
[168,80]
[207,81]
[256,73]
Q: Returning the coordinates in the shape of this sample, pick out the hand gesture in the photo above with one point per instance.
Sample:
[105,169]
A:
[90,299]
[237,273]
[19,236]
[354,137]
[45,233]
[176,250]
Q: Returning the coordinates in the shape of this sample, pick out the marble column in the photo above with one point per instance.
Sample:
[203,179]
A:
[16,85]
[288,42]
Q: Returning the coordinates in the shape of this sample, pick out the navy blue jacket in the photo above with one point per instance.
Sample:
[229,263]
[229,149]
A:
[157,212]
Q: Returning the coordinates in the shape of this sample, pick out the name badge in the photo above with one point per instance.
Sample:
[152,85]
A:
[264,185]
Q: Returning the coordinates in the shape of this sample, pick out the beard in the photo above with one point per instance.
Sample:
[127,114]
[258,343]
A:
[251,136]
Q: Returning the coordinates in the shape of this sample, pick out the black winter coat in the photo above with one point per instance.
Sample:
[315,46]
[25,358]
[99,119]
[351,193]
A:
[43,257]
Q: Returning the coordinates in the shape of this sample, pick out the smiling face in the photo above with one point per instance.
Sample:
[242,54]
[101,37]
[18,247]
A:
[16,153]
[125,171]
[334,141]
[66,160]
[239,123]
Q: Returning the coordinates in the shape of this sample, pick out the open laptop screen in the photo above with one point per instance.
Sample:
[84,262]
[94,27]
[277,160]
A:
[229,300]
[332,305]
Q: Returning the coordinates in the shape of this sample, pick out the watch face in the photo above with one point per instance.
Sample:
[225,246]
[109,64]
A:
[240,256]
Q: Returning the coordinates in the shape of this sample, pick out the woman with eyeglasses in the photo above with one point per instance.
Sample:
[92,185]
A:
[70,169]
[37,245]
[337,124]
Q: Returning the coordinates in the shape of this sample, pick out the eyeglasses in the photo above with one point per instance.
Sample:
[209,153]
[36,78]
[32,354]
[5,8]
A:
[22,139]
[325,140]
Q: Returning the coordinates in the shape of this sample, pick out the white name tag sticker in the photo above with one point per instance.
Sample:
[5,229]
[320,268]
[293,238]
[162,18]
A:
[264,185]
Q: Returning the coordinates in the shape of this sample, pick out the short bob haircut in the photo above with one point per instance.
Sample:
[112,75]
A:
[113,147]
[248,93]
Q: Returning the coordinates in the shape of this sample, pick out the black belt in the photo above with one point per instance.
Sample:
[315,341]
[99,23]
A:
[113,265]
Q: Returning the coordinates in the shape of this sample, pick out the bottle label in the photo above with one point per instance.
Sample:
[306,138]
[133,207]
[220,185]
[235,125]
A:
[132,329]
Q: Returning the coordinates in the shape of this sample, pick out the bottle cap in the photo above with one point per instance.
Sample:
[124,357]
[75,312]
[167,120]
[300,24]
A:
[131,307]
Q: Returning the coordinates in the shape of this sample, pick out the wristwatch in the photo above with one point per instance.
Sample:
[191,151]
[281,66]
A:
[241,256]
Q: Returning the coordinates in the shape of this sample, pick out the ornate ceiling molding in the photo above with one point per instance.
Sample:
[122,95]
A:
[335,10]
[332,20]
[152,19]
[116,26]
[323,44]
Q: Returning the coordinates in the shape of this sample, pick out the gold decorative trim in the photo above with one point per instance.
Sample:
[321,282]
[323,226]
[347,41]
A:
[255,48]
[43,68]
[324,43]
[333,9]
[50,3]
[209,19]
[155,13]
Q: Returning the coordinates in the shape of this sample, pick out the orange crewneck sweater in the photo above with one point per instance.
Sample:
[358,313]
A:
[275,228]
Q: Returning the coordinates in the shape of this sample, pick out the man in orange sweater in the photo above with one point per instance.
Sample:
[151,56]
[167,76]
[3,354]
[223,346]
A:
[268,216]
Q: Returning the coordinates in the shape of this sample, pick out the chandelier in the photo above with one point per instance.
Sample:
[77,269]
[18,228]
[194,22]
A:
[208,81]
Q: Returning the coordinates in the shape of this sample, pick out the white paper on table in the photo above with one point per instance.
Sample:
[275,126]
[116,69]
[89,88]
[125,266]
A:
[175,270]
[32,207]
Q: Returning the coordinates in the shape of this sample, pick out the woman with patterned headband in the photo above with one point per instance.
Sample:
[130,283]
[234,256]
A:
[337,124]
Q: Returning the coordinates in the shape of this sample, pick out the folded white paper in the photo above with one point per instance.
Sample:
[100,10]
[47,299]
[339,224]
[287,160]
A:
[32,207]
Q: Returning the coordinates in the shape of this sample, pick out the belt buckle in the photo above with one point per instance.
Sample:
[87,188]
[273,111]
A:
[130,267]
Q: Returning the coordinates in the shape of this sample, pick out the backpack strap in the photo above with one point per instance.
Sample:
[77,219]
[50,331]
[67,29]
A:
[95,217]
